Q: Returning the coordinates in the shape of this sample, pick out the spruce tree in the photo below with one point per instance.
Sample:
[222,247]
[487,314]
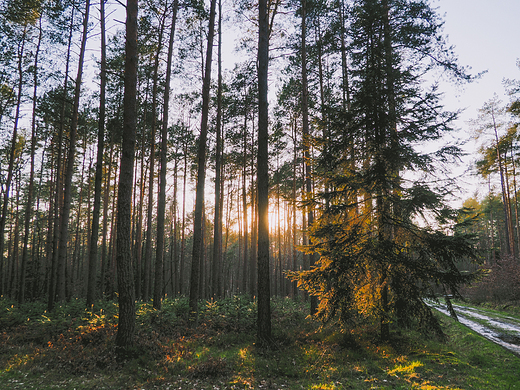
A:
[377,261]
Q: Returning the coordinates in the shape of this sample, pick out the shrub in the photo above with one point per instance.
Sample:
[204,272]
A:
[500,285]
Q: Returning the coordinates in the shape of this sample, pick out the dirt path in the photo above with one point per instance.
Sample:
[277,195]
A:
[500,329]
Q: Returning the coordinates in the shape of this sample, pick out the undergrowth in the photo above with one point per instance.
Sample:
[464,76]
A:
[74,348]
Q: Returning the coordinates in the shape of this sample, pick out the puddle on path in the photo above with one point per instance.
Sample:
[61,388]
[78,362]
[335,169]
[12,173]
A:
[507,340]
[510,327]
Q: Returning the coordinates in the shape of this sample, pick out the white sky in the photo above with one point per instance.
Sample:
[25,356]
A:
[486,36]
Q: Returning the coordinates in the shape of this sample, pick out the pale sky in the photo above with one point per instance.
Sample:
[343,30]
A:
[486,36]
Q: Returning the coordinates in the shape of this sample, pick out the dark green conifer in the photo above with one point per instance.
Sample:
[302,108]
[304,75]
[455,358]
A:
[377,260]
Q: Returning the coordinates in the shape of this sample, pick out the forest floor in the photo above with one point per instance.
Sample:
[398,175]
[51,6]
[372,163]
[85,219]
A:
[72,348]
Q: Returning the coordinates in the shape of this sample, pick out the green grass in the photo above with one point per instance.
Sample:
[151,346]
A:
[72,348]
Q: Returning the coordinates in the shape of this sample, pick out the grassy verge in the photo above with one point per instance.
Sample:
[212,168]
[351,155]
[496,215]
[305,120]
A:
[74,349]
[496,311]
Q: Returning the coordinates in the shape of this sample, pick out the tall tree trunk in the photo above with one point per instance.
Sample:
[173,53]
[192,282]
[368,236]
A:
[245,259]
[139,226]
[344,70]
[201,172]
[38,287]
[183,225]
[254,237]
[12,153]
[149,219]
[493,256]
[174,246]
[30,190]
[264,295]
[15,239]
[306,138]
[58,181]
[390,189]
[104,232]
[279,231]
[161,207]
[72,287]
[217,231]
[67,192]
[111,285]
[126,323]
[293,203]
[507,207]
[515,192]
[93,247]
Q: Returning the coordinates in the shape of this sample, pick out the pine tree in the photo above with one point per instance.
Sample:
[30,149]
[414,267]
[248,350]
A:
[126,324]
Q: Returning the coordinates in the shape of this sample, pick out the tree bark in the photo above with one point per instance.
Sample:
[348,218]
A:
[306,138]
[30,190]
[217,225]
[505,199]
[67,192]
[149,219]
[201,173]
[126,323]
[161,206]
[93,249]
[58,180]
[12,153]
[264,295]
[244,209]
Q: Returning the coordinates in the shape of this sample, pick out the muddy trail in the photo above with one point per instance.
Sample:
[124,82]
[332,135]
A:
[501,329]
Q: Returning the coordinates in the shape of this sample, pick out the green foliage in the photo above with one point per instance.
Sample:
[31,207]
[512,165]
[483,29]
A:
[386,236]
[82,354]
[23,12]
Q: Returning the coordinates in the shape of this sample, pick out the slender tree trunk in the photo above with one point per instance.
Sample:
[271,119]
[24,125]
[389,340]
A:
[72,286]
[15,239]
[67,192]
[254,237]
[12,153]
[344,70]
[493,256]
[139,226]
[93,247]
[30,190]
[111,286]
[388,210]
[149,219]
[183,225]
[244,211]
[161,207]
[507,208]
[515,198]
[104,232]
[306,137]
[279,232]
[294,215]
[126,323]
[58,180]
[264,295]
[38,287]
[217,232]
[201,172]
[49,263]
[229,206]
